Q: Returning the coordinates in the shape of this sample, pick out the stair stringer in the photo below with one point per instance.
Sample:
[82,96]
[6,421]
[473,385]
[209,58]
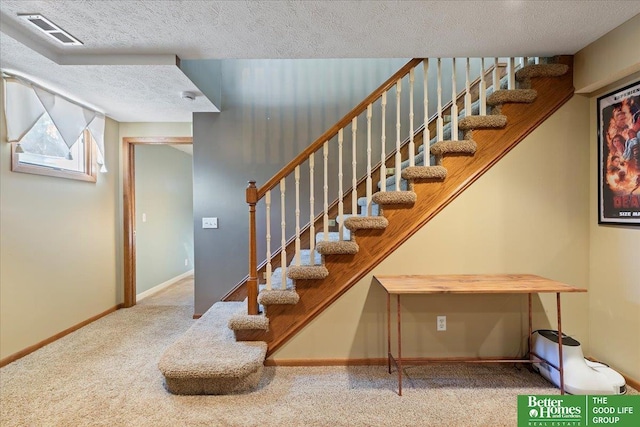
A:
[432,196]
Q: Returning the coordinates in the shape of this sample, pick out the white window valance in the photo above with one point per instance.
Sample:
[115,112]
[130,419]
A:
[26,102]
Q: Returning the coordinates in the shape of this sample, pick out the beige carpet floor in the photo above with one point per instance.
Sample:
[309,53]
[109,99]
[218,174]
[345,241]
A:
[106,374]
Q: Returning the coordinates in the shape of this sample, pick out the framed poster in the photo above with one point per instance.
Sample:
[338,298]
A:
[619,156]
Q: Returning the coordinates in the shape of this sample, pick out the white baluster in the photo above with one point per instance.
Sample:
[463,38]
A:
[467,91]
[426,137]
[340,203]
[496,76]
[440,122]
[483,90]
[383,139]
[267,197]
[354,176]
[312,225]
[454,102]
[369,184]
[283,240]
[412,147]
[398,156]
[296,174]
[325,217]
[512,73]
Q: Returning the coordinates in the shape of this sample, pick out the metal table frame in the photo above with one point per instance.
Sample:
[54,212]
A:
[471,284]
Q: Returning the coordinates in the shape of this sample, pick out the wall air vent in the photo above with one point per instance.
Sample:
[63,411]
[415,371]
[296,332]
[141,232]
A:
[50,29]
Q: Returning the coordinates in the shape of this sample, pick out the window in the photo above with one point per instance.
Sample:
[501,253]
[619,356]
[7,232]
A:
[50,134]
[42,151]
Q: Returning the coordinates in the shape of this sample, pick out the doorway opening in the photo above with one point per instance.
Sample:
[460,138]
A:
[129,206]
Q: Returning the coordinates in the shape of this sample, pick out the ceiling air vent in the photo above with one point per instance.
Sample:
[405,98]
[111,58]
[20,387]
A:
[50,29]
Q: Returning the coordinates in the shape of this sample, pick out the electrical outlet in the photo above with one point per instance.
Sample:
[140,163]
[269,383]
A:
[391,171]
[186,262]
[332,223]
[441,323]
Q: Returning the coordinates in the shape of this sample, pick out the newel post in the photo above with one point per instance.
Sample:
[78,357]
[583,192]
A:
[252,283]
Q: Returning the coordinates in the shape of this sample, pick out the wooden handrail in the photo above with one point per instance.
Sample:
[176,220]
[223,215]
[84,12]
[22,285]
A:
[333,130]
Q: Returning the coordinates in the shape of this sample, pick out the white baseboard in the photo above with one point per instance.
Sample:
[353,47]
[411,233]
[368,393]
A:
[162,285]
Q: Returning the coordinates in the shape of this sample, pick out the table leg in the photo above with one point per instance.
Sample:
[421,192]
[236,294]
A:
[399,351]
[389,332]
[530,327]
[561,361]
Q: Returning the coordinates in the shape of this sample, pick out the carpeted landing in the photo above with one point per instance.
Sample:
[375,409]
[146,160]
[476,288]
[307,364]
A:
[106,374]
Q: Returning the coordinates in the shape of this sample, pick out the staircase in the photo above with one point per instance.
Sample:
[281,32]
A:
[322,261]
[423,191]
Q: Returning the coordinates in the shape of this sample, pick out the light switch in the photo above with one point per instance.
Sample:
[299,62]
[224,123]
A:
[209,222]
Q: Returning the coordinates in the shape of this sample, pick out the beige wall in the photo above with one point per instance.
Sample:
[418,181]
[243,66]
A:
[612,57]
[155,129]
[614,266]
[614,274]
[57,249]
[528,214]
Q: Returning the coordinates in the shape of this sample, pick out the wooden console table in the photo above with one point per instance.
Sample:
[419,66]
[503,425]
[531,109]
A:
[472,284]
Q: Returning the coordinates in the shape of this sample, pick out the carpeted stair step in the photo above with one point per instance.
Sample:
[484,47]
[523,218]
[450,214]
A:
[207,359]
[424,172]
[307,272]
[278,297]
[510,96]
[464,146]
[494,121]
[525,75]
[504,96]
[394,198]
[339,247]
[243,321]
[366,223]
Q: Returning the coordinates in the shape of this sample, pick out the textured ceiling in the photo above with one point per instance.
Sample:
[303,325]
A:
[126,93]
[129,30]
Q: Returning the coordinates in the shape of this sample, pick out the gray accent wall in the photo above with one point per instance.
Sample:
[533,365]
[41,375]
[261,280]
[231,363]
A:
[164,195]
[273,109]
